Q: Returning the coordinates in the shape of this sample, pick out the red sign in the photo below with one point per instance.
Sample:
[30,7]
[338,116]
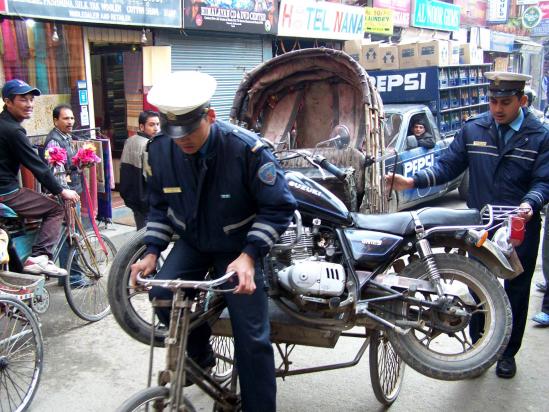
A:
[473,12]
[544,6]
[2,5]
[401,10]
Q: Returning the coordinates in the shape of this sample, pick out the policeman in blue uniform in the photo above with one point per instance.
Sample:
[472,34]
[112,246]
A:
[219,188]
[507,153]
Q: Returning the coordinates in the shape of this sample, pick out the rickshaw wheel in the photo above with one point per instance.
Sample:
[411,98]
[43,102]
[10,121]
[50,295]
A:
[386,368]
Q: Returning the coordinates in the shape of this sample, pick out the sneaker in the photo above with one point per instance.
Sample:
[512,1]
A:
[542,319]
[38,265]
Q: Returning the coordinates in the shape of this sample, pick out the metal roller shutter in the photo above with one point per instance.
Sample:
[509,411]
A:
[226,57]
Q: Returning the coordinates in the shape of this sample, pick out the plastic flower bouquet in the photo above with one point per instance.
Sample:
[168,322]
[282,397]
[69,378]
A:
[85,157]
[56,156]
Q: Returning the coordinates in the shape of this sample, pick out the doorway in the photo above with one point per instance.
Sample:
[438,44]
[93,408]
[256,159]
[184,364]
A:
[117,79]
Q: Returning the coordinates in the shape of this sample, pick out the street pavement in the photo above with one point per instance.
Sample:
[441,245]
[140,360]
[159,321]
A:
[96,366]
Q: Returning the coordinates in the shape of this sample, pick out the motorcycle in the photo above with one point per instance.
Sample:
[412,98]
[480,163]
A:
[333,270]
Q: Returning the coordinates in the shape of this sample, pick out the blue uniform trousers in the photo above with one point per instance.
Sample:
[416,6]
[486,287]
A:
[249,320]
[545,264]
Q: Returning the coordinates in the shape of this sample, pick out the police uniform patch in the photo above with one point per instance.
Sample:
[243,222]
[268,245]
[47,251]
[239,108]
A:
[479,143]
[267,173]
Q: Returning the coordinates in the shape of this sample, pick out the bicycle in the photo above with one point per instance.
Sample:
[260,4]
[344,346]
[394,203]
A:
[21,354]
[222,383]
[89,257]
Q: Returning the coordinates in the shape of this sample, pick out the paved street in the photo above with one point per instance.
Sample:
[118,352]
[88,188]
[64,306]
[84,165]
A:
[95,367]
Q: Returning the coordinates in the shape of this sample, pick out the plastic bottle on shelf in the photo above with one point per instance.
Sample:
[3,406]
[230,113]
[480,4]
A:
[463,77]
[472,75]
[474,95]
[443,78]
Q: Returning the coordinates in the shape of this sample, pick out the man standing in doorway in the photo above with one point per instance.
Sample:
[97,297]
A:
[133,187]
[507,153]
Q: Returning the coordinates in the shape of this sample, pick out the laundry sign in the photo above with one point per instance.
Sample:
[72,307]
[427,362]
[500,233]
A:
[378,20]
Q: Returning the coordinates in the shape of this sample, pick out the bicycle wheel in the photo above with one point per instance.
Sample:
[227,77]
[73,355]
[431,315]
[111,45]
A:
[87,261]
[21,355]
[386,368]
[152,399]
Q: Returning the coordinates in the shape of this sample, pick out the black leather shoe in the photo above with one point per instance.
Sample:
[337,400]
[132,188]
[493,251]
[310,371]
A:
[506,368]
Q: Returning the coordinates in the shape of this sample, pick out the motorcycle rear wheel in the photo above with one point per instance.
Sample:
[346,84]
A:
[386,368]
[453,356]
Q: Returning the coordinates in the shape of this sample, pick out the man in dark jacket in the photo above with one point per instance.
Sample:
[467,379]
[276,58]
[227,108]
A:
[133,187]
[420,137]
[507,153]
[61,136]
[16,150]
[220,189]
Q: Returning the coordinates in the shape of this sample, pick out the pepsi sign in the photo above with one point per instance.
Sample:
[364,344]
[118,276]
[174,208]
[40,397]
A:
[407,85]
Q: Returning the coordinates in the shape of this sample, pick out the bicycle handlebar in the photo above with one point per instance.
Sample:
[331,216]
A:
[188,284]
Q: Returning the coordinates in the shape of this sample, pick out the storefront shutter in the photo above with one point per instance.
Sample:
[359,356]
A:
[226,57]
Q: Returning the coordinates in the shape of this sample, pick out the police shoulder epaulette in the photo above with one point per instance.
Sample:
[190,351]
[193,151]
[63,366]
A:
[476,116]
[250,138]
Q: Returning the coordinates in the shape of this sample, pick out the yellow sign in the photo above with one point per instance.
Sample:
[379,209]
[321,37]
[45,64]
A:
[377,20]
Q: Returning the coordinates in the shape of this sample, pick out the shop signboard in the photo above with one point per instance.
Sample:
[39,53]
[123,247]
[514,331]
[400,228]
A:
[242,16]
[309,19]
[436,15]
[498,11]
[544,7]
[378,20]
[473,12]
[501,42]
[406,85]
[3,7]
[531,17]
[166,13]
[541,29]
[400,8]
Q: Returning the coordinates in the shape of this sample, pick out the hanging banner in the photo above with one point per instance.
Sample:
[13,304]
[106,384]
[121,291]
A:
[497,11]
[226,15]
[166,13]
[400,8]
[436,15]
[309,19]
[378,20]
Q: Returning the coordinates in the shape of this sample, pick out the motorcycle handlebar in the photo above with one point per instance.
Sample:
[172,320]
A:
[330,167]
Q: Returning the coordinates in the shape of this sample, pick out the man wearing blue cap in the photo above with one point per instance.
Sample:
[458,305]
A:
[507,153]
[219,188]
[16,150]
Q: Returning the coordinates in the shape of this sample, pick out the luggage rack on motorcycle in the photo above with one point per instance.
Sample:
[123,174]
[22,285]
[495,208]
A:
[492,216]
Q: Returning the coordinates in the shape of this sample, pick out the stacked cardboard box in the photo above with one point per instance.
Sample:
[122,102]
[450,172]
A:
[433,53]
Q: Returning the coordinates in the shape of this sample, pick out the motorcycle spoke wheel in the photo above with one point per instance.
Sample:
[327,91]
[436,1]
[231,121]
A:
[386,368]
[440,344]
[21,355]
[223,347]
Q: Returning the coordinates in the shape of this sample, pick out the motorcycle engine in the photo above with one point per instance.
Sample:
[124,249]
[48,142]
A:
[313,278]
[305,270]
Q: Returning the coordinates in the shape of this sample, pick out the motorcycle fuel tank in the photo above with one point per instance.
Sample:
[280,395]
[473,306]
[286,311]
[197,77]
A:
[369,248]
[316,200]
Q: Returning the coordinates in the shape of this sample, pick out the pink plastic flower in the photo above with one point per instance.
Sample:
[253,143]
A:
[85,157]
[56,156]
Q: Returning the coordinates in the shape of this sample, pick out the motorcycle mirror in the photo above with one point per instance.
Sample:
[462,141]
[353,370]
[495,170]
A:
[341,136]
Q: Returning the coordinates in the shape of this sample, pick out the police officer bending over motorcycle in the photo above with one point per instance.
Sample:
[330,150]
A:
[225,195]
[507,153]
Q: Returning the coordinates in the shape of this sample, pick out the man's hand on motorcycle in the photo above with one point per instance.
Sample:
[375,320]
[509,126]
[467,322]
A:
[145,266]
[398,182]
[244,266]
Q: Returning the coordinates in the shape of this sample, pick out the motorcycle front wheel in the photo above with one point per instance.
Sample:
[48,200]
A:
[440,344]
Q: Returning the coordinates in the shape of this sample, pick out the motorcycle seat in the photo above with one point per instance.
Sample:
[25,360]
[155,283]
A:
[402,223]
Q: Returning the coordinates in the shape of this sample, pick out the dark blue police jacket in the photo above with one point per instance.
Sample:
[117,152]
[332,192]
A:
[498,174]
[233,198]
